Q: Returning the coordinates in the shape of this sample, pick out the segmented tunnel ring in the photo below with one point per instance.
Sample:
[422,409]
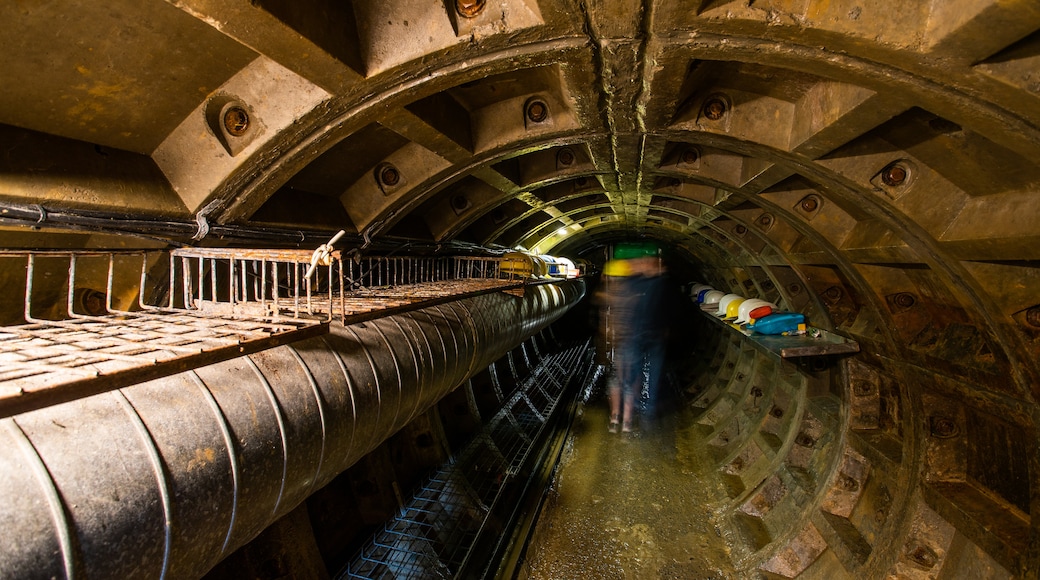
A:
[874,173]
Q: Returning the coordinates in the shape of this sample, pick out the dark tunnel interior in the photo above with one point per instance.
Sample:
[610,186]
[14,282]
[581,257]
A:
[273,294]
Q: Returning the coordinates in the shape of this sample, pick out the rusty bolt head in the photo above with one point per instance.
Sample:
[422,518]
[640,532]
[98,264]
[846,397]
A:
[777,412]
[581,182]
[847,483]
[690,156]
[1033,316]
[862,388]
[833,294]
[894,175]
[904,300]
[794,288]
[923,556]
[469,8]
[91,301]
[236,121]
[537,111]
[740,230]
[565,156]
[767,285]
[943,427]
[809,203]
[765,221]
[389,176]
[498,216]
[714,108]
[95,303]
[805,440]
[459,202]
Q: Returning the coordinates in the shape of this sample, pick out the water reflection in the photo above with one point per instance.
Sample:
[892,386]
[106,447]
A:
[642,506]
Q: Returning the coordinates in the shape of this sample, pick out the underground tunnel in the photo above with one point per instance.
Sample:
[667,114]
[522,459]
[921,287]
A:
[302,288]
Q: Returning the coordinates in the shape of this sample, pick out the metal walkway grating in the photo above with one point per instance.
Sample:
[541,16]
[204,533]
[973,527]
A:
[434,534]
[39,356]
[93,321]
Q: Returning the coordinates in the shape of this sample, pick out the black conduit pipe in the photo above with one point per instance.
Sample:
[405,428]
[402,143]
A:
[166,478]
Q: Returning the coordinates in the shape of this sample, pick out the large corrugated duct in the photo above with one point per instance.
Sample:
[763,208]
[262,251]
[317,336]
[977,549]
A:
[165,478]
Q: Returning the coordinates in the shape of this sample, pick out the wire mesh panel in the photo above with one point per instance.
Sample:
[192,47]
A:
[91,321]
[433,536]
[85,327]
[269,283]
[391,284]
[293,283]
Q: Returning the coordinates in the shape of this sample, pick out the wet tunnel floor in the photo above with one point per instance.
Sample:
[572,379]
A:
[636,505]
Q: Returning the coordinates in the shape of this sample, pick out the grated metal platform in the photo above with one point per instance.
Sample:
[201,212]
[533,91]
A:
[435,533]
[88,324]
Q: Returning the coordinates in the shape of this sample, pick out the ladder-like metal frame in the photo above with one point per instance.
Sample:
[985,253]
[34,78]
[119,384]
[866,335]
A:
[218,304]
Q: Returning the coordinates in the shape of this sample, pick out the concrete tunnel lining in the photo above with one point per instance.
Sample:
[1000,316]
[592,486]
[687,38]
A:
[112,142]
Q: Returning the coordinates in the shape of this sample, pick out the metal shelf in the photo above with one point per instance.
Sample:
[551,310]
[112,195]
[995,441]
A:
[47,363]
[368,303]
[795,346]
[77,340]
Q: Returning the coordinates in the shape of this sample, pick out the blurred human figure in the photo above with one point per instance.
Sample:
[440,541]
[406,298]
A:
[637,333]
[612,300]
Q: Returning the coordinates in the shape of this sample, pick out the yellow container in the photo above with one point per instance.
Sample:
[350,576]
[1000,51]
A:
[517,264]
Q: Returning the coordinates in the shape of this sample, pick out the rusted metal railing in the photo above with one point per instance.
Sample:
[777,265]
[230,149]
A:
[93,321]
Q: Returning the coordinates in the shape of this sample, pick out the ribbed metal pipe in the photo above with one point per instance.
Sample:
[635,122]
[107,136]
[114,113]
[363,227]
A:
[165,478]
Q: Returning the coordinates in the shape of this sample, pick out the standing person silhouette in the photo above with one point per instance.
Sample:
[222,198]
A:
[616,304]
[638,328]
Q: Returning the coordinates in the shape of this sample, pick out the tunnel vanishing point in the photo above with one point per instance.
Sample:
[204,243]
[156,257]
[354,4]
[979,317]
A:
[870,163]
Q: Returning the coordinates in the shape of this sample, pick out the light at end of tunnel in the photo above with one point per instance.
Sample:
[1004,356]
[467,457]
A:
[561,232]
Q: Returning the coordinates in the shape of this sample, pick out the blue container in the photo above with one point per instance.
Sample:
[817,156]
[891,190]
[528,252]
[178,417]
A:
[779,323]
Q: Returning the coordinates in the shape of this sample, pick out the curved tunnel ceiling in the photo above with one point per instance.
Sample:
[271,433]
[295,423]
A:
[846,147]
[870,164]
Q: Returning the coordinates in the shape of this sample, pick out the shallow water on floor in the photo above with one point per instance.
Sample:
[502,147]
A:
[637,505]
